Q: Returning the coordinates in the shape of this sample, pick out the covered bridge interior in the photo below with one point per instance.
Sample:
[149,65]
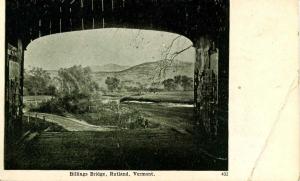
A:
[204,22]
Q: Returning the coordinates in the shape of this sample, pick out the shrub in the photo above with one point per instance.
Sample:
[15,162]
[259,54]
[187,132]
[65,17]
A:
[50,106]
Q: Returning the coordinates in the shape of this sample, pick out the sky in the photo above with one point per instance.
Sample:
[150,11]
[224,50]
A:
[104,46]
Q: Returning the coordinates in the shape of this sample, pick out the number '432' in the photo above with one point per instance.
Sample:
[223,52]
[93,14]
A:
[224,173]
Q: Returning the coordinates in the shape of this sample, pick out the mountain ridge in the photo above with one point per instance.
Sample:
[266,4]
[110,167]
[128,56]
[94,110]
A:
[147,72]
[111,67]
[144,73]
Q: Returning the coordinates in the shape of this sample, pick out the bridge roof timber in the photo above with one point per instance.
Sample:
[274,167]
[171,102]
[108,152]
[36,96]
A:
[31,19]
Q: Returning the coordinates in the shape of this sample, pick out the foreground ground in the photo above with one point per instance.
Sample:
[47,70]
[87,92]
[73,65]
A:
[153,149]
[87,141]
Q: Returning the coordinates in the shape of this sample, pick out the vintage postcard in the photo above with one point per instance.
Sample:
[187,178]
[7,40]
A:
[149,89]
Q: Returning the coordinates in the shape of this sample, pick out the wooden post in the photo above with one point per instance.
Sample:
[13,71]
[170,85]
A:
[50,26]
[40,24]
[82,20]
[60,11]
[204,86]
[71,24]
[60,25]
[93,23]
[20,94]
[82,24]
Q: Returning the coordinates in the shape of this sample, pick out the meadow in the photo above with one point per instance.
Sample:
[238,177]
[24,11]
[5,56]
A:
[132,110]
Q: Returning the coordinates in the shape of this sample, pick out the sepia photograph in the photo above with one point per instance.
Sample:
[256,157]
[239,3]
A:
[116,85]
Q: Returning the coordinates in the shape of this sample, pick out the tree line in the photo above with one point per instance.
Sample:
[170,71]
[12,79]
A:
[77,80]
[73,80]
[178,82]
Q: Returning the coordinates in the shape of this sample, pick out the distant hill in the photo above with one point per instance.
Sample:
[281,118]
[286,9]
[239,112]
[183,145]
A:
[97,68]
[145,73]
[108,68]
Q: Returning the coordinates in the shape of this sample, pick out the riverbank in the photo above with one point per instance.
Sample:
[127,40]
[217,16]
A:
[183,97]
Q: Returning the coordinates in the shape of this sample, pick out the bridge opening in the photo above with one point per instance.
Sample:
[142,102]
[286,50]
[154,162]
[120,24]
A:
[122,78]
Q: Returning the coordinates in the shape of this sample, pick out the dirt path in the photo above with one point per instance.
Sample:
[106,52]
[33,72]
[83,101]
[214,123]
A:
[69,124]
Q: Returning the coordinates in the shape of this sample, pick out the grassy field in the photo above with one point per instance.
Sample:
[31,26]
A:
[107,112]
[174,117]
[36,98]
[157,115]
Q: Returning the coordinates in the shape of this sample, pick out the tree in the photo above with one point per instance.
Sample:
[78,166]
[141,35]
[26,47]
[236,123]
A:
[76,80]
[74,88]
[36,81]
[112,83]
[168,57]
[169,84]
[51,90]
[177,79]
[186,83]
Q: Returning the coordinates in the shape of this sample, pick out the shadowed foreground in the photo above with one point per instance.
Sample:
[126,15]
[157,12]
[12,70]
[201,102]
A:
[69,124]
[153,149]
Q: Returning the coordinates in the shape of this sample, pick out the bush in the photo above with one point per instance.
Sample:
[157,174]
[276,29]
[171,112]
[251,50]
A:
[50,106]
[73,103]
